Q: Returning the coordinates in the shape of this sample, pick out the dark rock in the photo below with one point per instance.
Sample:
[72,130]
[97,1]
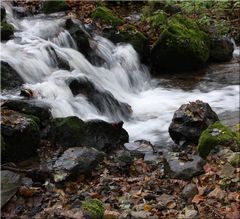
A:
[177,169]
[124,158]
[10,183]
[190,120]
[104,101]
[3,13]
[6,31]
[129,34]
[76,161]
[72,131]
[54,6]
[31,107]
[221,49]
[189,191]
[21,135]
[80,37]
[9,77]
[20,12]
[181,46]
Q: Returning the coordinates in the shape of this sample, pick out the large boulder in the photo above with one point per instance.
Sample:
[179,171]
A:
[9,77]
[20,133]
[72,131]
[54,6]
[76,161]
[104,101]
[129,34]
[190,120]
[221,49]
[215,135]
[79,36]
[181,46]
[6,31]
[31,107]
[3,13]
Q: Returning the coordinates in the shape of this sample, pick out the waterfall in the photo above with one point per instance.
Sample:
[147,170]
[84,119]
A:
[40,41]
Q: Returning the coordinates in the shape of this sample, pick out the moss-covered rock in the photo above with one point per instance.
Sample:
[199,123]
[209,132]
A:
[21,135]
[94,208]
[181,46]
[6,31]
[3,13]
[54,6]
[129,34]
[217,134]
[106,16]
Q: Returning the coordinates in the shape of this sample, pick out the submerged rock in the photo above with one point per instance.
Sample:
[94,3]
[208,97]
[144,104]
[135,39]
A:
[31,107]
[72,131]
[181,46]
[21,135]
[9,77]
[217,134]
[104,101]
[10,183]
[76,161]
[221,49]
[54,6]
[183,170]
[190,120]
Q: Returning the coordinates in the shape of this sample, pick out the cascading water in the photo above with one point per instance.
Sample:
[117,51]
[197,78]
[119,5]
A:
[121,74]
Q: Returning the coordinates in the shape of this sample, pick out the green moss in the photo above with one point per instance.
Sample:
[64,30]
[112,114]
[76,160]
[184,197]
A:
[216,134]
[94,208]
[235,160]
[6,31]
[54,6]
[158,18]
[105,15]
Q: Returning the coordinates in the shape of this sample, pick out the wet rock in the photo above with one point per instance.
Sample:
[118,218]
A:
[189,191]
[3,13]
[10,183]
[129,34]
[6,31]
[221,49]
[181,46]
[31,107]
[9,77]
[104,101]
[190,120]
[79,36]
[20,12]
[177,169]
[72,131]
[215,135]
[54,6]
[21,135]
[76,161]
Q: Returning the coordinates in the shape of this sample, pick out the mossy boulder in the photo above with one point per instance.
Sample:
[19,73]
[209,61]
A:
[21,135]
[215,135]
[10,79]
[6,31]
[181,46]
[106,16]
[129,34]
[3,13]
[54,6]
[94,208]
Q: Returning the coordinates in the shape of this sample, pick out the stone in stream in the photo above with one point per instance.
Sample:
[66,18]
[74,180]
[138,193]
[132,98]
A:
[104,101]
[72,131]
[10,183]
[190,120]
[54,6]
[76,161]
[183,170]
[221,49]
[20,133]
[31,107]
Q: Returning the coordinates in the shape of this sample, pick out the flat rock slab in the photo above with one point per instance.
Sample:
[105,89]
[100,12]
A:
[183,170]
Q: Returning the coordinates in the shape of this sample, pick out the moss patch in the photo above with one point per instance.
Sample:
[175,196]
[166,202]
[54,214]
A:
[105,15]
[216,134]
[6,31]
[94,208]
[54,6]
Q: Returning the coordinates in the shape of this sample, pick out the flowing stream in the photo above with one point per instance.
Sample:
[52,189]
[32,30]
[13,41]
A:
[153,101]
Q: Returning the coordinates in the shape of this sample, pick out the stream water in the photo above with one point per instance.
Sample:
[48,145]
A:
[153,101]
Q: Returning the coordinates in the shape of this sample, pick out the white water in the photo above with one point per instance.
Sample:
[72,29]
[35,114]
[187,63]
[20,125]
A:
[122,74]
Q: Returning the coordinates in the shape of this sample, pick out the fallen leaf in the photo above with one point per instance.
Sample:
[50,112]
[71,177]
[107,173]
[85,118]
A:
[198,198]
